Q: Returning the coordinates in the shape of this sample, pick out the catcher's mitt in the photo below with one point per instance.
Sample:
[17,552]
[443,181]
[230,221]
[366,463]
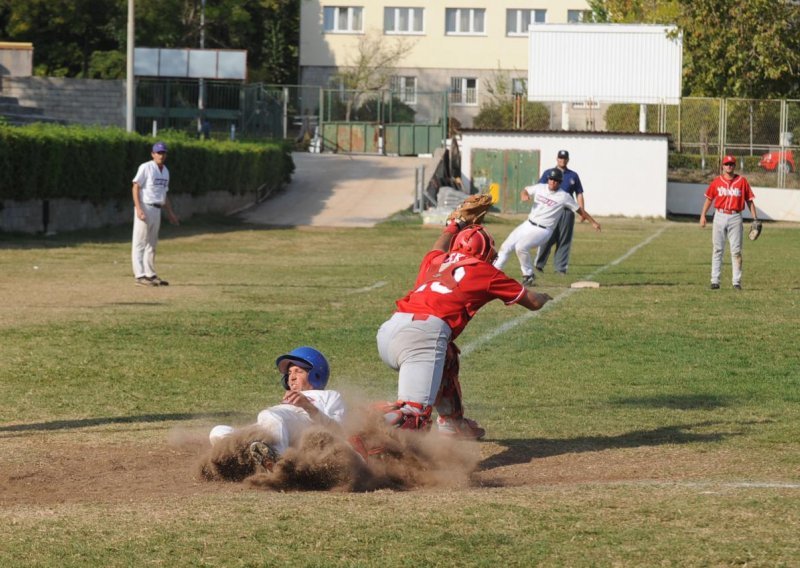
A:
[755,230]
[472,210]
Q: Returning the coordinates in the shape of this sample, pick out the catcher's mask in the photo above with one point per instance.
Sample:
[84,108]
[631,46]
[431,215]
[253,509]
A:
[476,242]
[309,359]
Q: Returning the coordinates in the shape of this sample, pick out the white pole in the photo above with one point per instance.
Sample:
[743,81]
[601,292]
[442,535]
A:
[129,91]
[201,84]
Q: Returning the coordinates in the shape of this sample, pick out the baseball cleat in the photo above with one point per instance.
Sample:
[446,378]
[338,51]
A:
[146,282]
[528,279]
[737,286]
[263,455]
[465,428]
[158,282]
[714,286]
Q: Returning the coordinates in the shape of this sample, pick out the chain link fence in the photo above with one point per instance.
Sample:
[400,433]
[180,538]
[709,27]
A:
[764,135]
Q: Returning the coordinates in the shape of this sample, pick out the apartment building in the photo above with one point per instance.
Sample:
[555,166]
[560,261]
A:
[463,47]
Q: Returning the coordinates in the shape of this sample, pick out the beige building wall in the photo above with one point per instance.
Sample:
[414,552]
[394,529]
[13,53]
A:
[435,57]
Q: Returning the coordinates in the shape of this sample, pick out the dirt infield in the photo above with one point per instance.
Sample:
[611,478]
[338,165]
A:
[41,469]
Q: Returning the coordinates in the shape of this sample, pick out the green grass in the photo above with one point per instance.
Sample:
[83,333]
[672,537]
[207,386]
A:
[652,371]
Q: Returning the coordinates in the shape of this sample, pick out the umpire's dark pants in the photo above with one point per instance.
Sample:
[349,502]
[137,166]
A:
[562,239]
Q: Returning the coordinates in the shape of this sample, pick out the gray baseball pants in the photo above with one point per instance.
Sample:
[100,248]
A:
[562,240]
[730,228]
[417,348]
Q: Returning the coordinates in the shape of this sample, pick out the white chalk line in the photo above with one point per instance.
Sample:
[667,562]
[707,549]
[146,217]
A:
[707,486]
[375,286]
[511,324]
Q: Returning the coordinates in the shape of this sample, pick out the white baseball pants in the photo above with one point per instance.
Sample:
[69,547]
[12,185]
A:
[525,237]
[145,239]
[730,228]
[417,348]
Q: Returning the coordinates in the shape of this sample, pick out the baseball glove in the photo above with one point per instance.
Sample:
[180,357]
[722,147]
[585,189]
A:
[755,230]
[472,210]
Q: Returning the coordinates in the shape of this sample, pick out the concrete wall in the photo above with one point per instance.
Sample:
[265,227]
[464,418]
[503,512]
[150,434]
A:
[81,101]
[771,203]
[70,214]
[622,174]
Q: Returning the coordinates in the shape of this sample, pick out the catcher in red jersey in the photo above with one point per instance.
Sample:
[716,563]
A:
[456,278]
[729,194]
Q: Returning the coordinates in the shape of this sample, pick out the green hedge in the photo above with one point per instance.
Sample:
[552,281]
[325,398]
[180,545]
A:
[45,161]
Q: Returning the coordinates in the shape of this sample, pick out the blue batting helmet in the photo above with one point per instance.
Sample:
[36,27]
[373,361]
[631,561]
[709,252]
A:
[309,359]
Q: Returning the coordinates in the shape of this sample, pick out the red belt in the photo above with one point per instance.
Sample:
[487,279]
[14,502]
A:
[420,317]
[728,211]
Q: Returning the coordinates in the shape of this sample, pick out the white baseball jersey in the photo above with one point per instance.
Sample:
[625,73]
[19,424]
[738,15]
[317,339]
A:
[287,422]
[154,182]
[547,205]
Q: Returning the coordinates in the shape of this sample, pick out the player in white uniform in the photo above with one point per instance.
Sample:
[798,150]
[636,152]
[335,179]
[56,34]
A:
[548,202]
[306,402]
[150,187]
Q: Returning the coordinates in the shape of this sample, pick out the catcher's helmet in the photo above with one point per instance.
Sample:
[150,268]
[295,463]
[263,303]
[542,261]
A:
[476,242]
[309,359]
[555,174]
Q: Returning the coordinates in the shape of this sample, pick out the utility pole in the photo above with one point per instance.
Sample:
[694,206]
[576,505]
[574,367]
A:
[201,104]
[129,87]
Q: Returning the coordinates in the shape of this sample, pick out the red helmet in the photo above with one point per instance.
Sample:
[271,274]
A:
[476,242]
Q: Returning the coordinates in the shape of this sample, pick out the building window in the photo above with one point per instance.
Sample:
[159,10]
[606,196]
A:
[576,16]
[343,19]
[517,21]
[519,86]
[465,21]
[405,89]
[403,20]
[464,91]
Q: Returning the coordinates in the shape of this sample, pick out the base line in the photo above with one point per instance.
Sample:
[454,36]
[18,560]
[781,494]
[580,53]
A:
[511,324]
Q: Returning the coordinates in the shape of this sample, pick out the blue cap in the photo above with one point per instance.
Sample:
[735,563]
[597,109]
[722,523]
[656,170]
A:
[159,147]
[563,154]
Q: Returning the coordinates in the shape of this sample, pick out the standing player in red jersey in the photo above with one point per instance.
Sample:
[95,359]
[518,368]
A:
[456,278]
[729,193]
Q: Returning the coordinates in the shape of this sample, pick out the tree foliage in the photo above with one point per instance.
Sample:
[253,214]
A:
[79,38]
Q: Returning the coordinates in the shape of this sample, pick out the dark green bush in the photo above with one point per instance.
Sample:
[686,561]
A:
[52,161]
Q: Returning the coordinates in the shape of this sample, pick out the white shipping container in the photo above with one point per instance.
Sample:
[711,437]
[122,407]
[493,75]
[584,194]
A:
[605,63]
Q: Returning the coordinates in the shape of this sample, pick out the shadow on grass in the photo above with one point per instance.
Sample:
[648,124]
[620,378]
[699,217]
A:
[523,451]
[89,422]
[197,225]
[677,402]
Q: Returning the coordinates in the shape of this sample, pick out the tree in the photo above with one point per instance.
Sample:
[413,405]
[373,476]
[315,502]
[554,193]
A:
[499,111]
[88,38]
[371,68]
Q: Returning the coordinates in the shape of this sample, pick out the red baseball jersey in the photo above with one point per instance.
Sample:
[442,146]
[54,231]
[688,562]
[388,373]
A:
[453,287]
[730,194]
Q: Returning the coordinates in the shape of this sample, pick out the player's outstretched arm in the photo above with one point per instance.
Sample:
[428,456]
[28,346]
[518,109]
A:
[585,215]
[534,300]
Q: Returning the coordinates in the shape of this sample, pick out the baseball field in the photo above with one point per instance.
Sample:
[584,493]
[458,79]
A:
[648,422]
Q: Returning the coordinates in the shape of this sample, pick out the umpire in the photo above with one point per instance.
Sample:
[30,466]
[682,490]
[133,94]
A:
[562,232]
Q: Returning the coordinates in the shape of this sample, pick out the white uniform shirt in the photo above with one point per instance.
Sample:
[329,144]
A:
[153,182]
[547,205]
[287,422]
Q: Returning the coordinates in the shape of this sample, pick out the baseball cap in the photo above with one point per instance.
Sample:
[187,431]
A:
[563,154]
[159,147]
[729,160]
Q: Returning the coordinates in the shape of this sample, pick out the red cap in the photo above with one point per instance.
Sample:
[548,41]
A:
[729,160]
